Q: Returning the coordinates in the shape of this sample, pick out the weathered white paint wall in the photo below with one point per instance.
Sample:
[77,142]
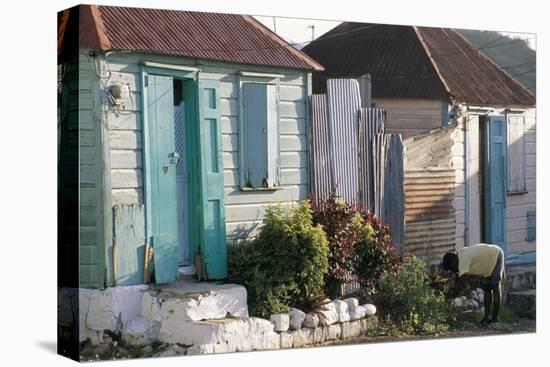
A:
[411,117]
[457,162]
[519,205]
[87,136]
[243,210]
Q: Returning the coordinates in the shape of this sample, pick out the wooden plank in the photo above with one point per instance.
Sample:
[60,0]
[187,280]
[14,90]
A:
[131,121]
[230,142]
[129,247]
[126,178]
[123,139]
[292,93]
[292,109]
[293,143]
[293,159]
[292,126]
[127,196]
[126,158]
[234,195]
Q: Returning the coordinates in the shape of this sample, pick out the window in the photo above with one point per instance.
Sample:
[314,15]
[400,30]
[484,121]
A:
[260,136]
[516,154]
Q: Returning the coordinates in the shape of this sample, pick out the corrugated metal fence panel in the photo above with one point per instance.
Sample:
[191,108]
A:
[372,121]
[429,194]
[394,196]
[343,102]
[429,212]
[430,239]
[321,180]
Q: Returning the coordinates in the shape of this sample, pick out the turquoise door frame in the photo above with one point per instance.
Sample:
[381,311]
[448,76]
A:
[206,192]
[495,181]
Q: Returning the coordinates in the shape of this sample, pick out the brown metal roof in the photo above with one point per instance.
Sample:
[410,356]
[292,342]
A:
[212,36]
[414,62]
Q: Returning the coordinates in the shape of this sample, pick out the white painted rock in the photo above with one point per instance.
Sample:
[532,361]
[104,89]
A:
[311,320]
[281,321]
[140,331]
[353,303]
[296,318]
[351,329]
[327,314]
[302,337]
[457,302]
[370,309]
[357,313]
[342,310]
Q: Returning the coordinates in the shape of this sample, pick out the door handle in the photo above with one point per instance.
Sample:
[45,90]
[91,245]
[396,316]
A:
[174,157]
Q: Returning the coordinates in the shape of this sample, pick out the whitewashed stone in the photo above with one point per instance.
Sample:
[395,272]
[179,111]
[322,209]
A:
[342,310]
[327,314]
[265,341]
[370,309]
[357,313]
[296,318]
[351,329]
[319,335]
[286,339]
[457,302]
[140,331]
[150,307]
[368,324]
[302,337]
[96,308]
[220,348]
[332,332]
[353,303]
[200,349]
[281,321]
[473,295]
[311,320]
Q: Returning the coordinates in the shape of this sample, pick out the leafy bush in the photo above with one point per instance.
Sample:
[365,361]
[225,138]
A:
[375,255]
[360,246]
[285,265]
[406,298]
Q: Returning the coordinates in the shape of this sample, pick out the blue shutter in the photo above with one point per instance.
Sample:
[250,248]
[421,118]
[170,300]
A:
[161,171]
[531,226]
[214,246]
[261,150]
[495,188]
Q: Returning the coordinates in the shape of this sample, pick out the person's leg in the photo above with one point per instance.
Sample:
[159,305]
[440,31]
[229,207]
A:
[487,303]
[496,307]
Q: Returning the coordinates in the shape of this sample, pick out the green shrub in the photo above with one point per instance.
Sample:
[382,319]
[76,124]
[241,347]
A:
[285,265]
[406,298]
[360,245]
[375,255]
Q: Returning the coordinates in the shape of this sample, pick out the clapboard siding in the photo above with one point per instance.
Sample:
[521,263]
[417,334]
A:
[519,205]
[410,117]
[244,209]
[88,140]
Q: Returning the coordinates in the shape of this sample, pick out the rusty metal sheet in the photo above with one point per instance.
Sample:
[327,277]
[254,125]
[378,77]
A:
[430,239]
[414,62]
[211,36]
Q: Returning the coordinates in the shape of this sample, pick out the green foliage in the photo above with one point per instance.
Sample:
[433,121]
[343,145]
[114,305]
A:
[405,298]
[285,265]
[375,255]
[360,246]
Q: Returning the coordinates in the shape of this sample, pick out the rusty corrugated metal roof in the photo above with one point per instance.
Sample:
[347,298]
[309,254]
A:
[414,62]
[211,36]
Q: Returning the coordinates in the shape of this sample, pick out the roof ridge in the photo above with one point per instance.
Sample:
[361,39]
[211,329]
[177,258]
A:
[483,55]
[275,37]
[433,62]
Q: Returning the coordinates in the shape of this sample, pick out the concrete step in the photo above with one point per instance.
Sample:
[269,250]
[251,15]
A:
[523,302]
[185,301]
[521,277]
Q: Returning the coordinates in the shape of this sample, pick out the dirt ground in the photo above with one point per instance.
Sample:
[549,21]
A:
[521,326]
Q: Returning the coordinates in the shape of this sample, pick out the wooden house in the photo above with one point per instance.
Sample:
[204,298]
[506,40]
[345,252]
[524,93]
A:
[469,130]
[176,130]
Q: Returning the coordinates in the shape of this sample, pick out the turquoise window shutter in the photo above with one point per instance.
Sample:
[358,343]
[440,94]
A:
[495,194]
[261,147]
[162,175]
[213,245]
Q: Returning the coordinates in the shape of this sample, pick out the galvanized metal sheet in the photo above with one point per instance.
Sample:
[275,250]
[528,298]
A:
[321,160]
[372,121]
[343,104]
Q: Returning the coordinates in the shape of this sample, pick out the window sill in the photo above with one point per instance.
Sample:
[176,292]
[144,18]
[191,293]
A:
[261,188]
[512,193]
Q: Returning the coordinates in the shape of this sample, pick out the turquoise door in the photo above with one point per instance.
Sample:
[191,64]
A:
[495,182]
[213,244]
[161,159]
